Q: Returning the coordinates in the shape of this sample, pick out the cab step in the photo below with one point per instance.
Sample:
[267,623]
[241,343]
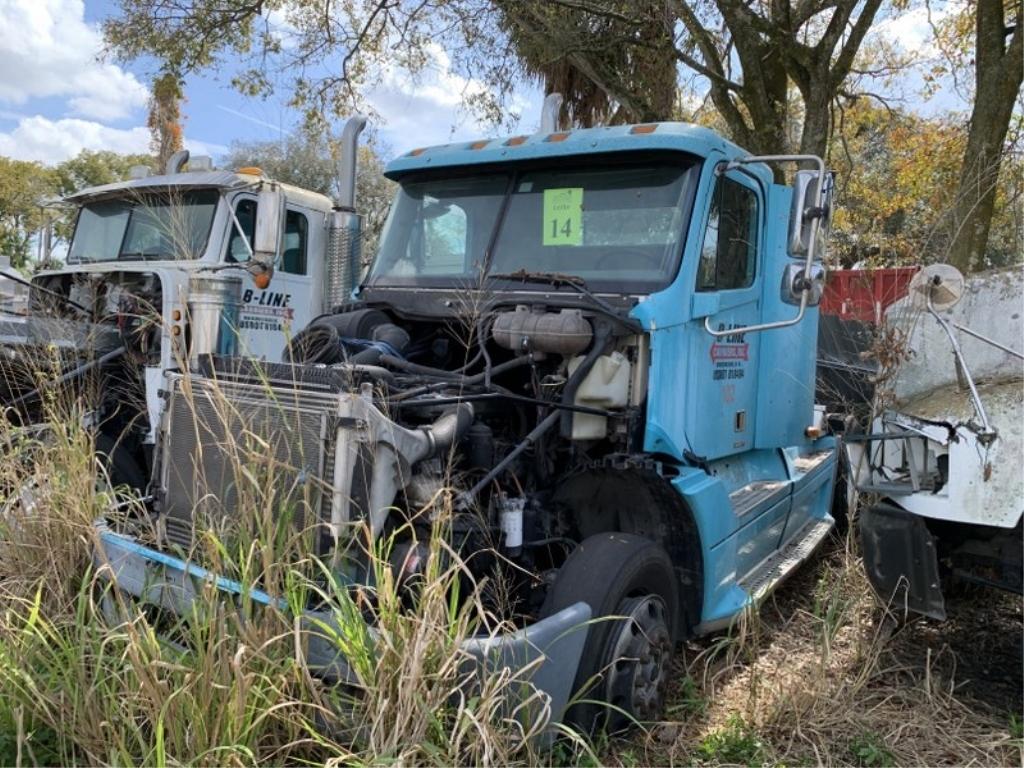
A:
[753,494]
[774,569]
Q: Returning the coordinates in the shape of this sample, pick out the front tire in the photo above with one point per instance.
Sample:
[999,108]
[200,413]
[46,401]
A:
[633,593]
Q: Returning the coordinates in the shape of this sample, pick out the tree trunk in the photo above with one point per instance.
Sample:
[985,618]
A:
[999,69]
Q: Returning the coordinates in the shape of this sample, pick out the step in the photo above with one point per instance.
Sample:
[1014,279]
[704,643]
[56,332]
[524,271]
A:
[774,569]
[749,496]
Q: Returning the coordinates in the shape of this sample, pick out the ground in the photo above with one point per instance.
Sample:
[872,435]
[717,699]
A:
[824,676]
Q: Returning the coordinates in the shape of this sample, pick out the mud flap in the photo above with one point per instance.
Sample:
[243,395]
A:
[901,561]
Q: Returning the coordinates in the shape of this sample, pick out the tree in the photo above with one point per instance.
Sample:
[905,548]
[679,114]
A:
[164,120]
[307,160]
[609,70]
[747,53]
[92,168]
[24,186]
[998,73]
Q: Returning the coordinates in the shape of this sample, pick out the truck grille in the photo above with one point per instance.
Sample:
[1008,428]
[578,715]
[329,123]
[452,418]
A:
[231,448]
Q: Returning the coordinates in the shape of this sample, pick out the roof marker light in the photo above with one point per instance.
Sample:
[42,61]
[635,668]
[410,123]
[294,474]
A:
[515,141]
[647,128]
[417,152]
[479,144]
[251,170]
[558,136]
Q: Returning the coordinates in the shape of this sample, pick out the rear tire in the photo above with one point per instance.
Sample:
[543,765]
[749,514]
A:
[624,669]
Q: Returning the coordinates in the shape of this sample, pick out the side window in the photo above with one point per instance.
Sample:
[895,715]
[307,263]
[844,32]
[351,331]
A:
[444,241]
[296,234]
[245,212]
[728,256]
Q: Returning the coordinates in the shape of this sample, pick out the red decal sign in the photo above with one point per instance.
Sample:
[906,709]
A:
[721,352]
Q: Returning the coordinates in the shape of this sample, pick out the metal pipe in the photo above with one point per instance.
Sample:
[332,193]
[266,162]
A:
[79,371]
[987,433]
[348,162]
[176,162]
[987,340]
[808,261]
[467,498]
[549,112]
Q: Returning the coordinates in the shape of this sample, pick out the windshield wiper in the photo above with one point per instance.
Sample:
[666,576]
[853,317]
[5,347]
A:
[557,280]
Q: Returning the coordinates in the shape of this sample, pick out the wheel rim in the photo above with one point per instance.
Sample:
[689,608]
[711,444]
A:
[640,653]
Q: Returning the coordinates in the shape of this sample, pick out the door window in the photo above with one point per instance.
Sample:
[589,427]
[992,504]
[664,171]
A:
[296,235]
[245,212]
[728,256]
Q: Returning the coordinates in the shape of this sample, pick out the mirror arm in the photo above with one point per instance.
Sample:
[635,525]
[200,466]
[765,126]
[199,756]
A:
[238,227]
[814,213]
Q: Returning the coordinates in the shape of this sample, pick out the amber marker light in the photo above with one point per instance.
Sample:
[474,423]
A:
[648,128]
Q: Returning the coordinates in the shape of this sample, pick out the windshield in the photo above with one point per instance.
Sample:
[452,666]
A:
[165,226]
[619,227]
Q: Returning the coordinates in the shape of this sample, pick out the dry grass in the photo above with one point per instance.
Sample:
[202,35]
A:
[822,676]
[90,677]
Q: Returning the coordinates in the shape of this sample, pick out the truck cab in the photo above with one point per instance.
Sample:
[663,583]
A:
[599,346]
[147,258]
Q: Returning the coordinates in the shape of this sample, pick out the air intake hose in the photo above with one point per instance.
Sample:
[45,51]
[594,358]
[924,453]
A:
[447,430]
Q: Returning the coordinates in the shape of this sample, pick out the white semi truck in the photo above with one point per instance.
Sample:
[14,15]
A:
[166,268]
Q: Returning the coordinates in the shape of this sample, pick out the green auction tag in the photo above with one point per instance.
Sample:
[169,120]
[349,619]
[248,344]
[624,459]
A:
[563,216]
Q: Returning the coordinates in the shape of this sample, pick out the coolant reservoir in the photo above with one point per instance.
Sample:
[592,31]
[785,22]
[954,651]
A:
[606,386]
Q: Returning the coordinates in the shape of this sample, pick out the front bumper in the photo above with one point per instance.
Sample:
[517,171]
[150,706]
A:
[169,583]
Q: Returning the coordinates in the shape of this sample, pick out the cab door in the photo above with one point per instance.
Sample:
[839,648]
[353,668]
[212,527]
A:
[269,317]
[727,294]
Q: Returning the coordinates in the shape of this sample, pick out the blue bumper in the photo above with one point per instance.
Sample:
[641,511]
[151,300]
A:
[554,645]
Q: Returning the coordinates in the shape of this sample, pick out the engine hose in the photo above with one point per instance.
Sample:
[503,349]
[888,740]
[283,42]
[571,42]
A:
[425,370]
[452,425]
[315,344]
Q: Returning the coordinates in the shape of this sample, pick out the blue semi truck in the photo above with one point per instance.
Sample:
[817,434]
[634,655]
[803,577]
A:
[598,344]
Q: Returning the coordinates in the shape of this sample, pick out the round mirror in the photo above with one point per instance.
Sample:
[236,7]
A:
[943,282]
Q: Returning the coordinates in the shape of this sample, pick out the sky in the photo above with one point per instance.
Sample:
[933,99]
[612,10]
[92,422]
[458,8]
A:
[58,97]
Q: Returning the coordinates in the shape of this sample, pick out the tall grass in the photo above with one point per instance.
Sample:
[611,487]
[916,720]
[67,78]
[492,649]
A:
[90,676]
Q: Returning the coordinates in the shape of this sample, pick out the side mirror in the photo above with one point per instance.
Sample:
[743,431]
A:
[806,210]
[269,224]
[793,284]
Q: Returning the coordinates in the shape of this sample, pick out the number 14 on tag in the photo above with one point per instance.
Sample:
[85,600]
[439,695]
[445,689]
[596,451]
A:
[563,216]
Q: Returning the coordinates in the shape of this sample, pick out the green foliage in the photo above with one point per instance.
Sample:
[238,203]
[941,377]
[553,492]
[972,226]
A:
[1016,726]
[690,702]
[897,186]
[869,750]
[735,743]
[30,194]
[24,187]
[92,168]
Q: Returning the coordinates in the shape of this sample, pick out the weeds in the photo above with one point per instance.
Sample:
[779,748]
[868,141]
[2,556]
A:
[735,743]
[93,677]
[869,751]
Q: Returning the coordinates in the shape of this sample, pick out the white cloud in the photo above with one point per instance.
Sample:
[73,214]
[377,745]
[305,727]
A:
[912,29]
[47,49]
[51,141]
[426,109]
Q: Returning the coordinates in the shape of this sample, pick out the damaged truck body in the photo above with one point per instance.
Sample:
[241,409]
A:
[942,462]
[597,347]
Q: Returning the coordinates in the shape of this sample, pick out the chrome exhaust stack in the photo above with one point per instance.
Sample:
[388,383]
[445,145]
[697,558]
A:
[345,240]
